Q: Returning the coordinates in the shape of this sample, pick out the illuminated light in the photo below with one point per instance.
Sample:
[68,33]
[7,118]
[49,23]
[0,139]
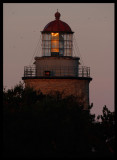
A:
[55,34]
[55,42]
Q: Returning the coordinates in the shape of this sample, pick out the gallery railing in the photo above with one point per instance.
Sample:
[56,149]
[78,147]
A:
[81,71]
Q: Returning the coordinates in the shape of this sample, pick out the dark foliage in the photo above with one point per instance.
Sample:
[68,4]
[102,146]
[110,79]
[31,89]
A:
[37,125]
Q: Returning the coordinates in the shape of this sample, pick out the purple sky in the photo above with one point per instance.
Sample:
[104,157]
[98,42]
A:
[93,24]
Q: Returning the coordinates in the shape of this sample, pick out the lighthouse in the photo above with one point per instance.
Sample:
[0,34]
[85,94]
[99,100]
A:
[57,69]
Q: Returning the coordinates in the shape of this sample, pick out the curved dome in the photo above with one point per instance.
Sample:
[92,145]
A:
[57,25]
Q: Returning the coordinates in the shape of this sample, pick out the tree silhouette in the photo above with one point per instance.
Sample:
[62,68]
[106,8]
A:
[37,125]
[108,127]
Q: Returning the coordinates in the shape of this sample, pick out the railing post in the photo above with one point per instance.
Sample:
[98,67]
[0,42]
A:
[24,71]
[30,72]
[82,71]
[89,71]
[35,71]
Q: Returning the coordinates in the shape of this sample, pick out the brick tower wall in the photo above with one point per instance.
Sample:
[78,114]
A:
[77,87]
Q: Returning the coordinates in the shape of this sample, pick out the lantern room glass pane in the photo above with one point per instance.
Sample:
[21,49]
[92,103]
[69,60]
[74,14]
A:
[46,44]
[57,44]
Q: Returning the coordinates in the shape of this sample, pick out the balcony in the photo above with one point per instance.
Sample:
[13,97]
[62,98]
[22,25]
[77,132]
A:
[54,72]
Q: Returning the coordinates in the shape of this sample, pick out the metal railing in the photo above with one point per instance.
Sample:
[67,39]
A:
[84,71]
[81,71]
[30,71]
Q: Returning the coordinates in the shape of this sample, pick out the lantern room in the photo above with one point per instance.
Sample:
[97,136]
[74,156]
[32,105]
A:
[57,38]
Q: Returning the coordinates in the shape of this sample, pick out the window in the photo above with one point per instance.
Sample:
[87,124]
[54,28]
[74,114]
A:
[47,73]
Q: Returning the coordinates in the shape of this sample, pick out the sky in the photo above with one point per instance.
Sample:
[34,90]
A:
[93,24]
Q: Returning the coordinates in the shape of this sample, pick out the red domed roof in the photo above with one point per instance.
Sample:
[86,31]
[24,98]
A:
[57,25]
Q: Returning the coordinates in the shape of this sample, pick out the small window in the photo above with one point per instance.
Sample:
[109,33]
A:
[47,73]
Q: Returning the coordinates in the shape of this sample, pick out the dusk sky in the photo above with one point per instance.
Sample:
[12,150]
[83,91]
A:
[93,24]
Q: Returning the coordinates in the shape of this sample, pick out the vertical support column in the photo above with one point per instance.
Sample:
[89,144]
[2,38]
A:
[89,71]
[24,71]
[82,71]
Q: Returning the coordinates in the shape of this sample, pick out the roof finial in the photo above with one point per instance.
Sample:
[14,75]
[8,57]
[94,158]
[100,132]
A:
[57,15]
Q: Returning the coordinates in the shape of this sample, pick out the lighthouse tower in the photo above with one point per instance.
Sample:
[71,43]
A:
[57,69]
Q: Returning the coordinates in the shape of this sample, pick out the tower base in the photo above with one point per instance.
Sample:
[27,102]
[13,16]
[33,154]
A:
[78,87]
